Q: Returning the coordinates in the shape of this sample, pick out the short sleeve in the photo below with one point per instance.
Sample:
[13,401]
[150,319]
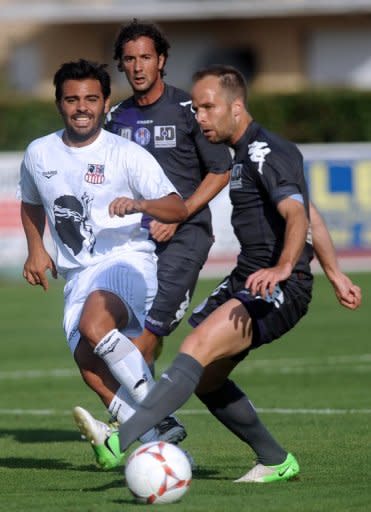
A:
[27,189]
[147,176]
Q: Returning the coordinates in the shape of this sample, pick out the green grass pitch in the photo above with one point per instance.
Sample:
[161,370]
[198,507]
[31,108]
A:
[312,388]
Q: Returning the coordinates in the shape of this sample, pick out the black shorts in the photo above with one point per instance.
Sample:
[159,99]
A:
[179,263]
[270,319]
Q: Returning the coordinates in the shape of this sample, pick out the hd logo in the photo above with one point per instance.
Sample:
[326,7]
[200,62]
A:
[165,136]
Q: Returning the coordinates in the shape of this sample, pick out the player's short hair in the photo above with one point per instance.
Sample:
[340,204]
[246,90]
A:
[81,70]
[134,31]
[230,79]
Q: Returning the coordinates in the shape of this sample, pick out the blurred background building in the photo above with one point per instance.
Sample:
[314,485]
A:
[280,45]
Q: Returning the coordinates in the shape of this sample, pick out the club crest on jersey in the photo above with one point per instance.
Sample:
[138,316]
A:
[165,136]
[142,136]
[95,174]
[127,133]
[49,174]
[236,177]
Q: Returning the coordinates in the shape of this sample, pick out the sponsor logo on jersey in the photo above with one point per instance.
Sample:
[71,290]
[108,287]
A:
[236,177]
[127,133]
[152,321]
[188,104]
[95,174]
[145,121]
[257,153]
[165,136]
[49,174]
[142,136]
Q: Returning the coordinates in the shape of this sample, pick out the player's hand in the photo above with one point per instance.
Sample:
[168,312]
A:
[35,268]
[264,281]
[122,206]
[348,294]
[162,232]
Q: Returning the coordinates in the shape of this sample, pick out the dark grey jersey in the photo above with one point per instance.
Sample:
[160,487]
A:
[168,129]
[266,170]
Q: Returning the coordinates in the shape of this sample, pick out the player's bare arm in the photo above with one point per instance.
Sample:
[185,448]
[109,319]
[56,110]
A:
[38,260]
[265,279]
[210,186]
[170,208]
[348,294]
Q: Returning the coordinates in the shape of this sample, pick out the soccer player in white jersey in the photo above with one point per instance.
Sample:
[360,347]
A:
[92,187]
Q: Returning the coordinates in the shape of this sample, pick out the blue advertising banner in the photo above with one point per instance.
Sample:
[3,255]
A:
[339,181]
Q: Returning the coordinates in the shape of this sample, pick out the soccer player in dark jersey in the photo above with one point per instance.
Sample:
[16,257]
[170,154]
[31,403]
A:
[264,296]
[159,118]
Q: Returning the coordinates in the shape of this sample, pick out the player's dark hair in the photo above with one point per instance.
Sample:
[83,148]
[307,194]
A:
[230,79]
[134,31]
[81,70]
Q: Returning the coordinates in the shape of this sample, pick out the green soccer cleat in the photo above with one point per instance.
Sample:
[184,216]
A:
[108,455]
[104,441]
[266,474]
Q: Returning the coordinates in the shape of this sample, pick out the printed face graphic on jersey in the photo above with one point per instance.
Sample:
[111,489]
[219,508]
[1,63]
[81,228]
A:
[71,224]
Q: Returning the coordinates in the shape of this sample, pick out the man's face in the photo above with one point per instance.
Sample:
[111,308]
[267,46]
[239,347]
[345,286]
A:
[214,111]
[82,108]
[141,64]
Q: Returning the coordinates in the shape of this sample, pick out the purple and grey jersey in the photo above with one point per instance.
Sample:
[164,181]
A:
[169,131]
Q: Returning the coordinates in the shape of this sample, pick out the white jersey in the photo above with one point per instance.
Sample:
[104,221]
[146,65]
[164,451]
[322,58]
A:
[76,185]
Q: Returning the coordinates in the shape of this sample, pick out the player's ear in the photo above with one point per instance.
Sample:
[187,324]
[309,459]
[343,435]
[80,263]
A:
[107,104]
[237,107]
[58,105]
[161,62]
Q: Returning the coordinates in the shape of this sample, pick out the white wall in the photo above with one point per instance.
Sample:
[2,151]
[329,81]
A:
[340,58]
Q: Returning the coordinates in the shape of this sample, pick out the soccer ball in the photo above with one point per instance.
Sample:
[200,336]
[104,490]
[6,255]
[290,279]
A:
[158,472]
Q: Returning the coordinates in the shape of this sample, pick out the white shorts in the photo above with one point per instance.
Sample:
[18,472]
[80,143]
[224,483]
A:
[130,276]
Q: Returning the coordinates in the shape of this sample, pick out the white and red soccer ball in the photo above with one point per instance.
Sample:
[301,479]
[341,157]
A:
[158,472]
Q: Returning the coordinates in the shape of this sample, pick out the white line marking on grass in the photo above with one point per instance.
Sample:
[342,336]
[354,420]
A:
[353,363]
[197,412]
[38,374]
[34,412]
[346,359]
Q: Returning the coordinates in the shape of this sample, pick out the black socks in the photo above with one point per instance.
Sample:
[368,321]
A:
[172,390]
[232,408]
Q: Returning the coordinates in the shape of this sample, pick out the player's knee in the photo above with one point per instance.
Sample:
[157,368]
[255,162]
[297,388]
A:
[198,347]
[91,331]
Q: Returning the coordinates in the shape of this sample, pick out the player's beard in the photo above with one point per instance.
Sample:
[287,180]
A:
[80,136]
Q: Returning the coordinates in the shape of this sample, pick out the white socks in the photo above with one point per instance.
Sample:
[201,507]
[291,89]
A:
[123,407]
[126,364]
